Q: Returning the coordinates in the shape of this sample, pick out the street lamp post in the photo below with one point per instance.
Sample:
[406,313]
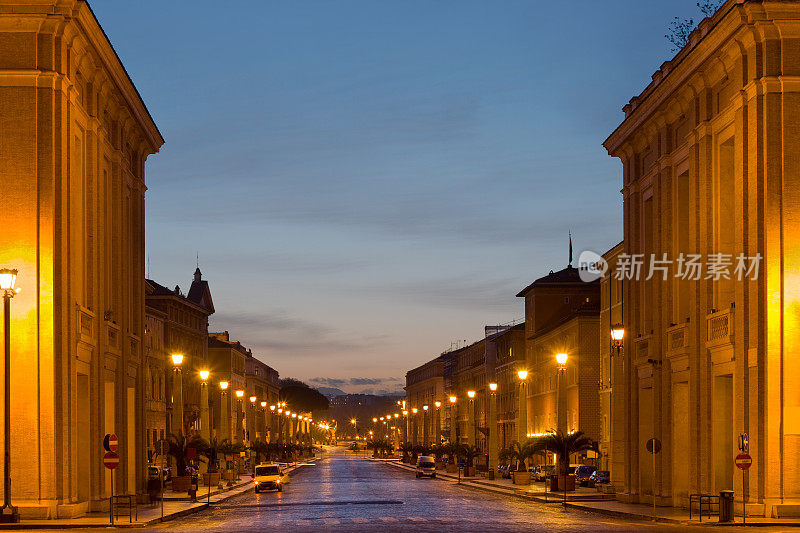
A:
[8,277]
[225,412]
[494,452]
[177,397]
[264,420]
[251,433]
[239,417]
[561,415]
[405,415]
[522,417]
[437,428]
[414,429]
[471,418]
[425,425]
[453,414]
[205,424]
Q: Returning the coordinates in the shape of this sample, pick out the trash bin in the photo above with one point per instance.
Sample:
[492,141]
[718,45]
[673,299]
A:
[154,489]
[726,506]
[553,483]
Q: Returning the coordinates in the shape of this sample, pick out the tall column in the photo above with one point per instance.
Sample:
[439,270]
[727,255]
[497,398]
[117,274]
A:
[414,426]
[494,452]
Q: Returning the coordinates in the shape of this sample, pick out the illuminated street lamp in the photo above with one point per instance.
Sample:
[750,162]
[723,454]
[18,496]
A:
[239,417]
[437,427]
[494,446]
[453,414]
[225,412]
[522,411]
[177,395]
[561,417]
[471,418]
[205,423]
[8,277]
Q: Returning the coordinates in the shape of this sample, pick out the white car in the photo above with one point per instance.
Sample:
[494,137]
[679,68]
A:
[269,476]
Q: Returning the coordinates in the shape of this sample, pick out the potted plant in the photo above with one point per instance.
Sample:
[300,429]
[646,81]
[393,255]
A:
[178,447]
[406,448]
[211,476]
[229,450]
[438,451]
[451,450]
[564,445]
[470,453]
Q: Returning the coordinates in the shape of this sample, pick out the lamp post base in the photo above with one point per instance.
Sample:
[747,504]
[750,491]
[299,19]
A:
[9,515]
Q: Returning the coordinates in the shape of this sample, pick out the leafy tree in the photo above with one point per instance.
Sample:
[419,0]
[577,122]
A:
[681,28]
[301,397]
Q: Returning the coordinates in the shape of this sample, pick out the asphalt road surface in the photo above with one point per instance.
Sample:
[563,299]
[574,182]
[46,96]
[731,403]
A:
[344,493]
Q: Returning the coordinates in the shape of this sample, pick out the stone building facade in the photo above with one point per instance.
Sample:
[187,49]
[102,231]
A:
[611,307]
[75,138]
[505,356]
[562,315]
[262,382]
[227,363]
[425,386]
[710,166]
[181,320]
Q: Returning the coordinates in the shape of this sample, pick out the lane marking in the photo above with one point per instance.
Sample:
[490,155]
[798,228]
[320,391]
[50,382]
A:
[331,522]
[388,519]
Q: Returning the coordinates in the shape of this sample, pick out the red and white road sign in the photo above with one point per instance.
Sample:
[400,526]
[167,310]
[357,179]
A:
[110,442]
[111,460]
[743,461]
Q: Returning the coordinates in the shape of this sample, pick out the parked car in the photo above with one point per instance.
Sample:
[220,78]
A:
[542,472]
[583,473]
[508,473]
[600,477]
[153,471]
[426,466]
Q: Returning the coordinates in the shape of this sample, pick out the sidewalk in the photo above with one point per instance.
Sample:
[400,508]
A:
[148,514]
[582,499]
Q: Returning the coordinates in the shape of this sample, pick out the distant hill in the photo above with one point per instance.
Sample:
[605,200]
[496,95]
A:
[331,392]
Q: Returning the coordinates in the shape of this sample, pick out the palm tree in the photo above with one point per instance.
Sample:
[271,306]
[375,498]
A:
[259,447]
[406,448]
[469,453]
[564,445]
[178,445]
[438,450]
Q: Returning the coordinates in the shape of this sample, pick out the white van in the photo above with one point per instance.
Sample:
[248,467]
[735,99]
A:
[269,476]
[426,466]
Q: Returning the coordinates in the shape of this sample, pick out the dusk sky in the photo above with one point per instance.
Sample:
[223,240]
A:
[367,182]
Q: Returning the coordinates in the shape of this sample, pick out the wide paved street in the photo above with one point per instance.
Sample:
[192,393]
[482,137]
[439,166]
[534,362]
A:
[343,493]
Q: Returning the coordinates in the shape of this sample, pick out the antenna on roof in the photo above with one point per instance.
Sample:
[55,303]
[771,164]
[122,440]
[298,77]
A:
[570,250]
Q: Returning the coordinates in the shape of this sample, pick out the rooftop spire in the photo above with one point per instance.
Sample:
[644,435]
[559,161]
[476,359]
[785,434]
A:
[570,250]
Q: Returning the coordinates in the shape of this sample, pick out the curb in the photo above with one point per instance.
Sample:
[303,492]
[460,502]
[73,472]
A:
[200,506]
[581,506]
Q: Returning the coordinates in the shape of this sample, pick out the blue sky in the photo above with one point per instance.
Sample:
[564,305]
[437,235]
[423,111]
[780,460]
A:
[367,182]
